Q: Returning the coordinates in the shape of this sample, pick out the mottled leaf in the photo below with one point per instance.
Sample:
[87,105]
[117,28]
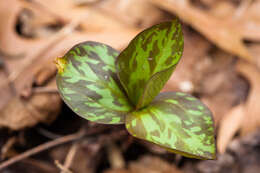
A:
[149,60]
[88,83]
[178,122]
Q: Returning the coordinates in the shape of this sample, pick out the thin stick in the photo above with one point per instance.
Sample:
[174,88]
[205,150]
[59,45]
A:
[70,156]
[9,144]
[42,147]
[61,167]
[48,145]
[45,90]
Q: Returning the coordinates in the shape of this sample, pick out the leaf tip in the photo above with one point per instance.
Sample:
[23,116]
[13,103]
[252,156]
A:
[60,63]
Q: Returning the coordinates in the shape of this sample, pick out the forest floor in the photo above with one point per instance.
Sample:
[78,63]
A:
[220,65]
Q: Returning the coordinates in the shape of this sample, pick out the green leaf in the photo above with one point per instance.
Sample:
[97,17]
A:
[149,60]
[178,122]
[89,85]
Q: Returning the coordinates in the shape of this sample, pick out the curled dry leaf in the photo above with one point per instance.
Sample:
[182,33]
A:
[252,109]
[229,125]
[223,33]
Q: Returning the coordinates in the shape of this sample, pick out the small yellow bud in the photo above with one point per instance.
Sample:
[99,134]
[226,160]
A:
[60,64]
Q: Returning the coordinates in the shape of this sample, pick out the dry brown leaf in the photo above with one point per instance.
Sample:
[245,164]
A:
[252,109]
[20,113]
[229,125]
[223,33]
[131,12]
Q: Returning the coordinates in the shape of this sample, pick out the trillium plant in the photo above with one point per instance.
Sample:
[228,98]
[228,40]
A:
[104,86]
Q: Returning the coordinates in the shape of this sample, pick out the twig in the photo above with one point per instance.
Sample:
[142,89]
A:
[70,156]
[48,145]
[44,90]
[48,134]
[9,144]
[61,167]
[42,147]
[115,157]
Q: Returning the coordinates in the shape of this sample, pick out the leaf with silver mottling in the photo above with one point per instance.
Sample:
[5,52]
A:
[149,60]
[88,83]
[178,122]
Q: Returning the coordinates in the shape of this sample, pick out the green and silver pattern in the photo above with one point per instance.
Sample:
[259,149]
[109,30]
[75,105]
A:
[149,60]
[103,86]
[88,83]
[178,122]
